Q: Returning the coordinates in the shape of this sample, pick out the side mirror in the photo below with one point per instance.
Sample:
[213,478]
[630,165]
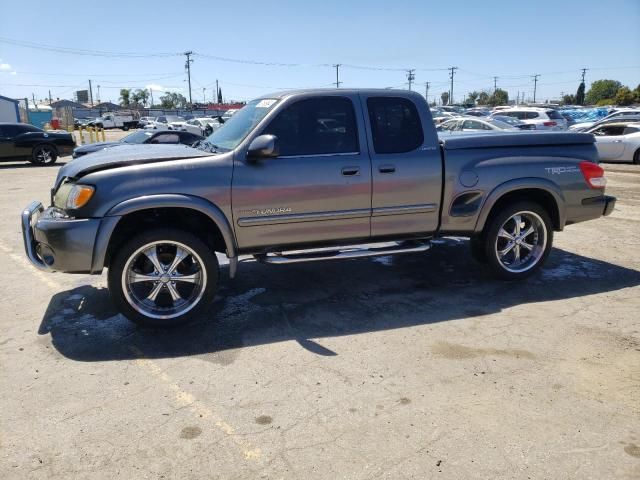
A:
[263,146]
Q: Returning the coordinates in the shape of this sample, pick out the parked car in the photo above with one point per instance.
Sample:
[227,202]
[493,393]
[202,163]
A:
[203,126]
[123,119]
[475,125]
[618,142]
[622,114]
[140,137]
[276,184]
[21,141]
[144,121]
[513,121]
[478,112]
[163,122]
[542,118]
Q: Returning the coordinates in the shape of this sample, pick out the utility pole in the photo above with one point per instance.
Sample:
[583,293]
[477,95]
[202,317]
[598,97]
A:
[50,100]
[535,86]
[337,82]
[187,65]
[451,74]
[151,93]
[217,91]
[584,72]
[426,91]
[204,97]
[90,93]
[33,95]
[98,93]
[495,85]
[411,76]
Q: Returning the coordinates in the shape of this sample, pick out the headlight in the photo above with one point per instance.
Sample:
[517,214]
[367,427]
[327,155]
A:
[72,196]
[79,195]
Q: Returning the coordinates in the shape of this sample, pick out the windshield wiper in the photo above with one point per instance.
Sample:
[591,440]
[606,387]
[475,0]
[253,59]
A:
[205,145]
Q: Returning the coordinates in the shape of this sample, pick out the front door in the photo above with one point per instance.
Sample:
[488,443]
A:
[406,168]
[318,189]
[609,141]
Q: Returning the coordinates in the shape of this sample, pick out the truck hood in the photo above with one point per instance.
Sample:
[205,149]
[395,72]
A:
[126,155]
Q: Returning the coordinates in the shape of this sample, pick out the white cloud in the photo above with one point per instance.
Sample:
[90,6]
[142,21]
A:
[155,88]
[5,67]
[13,73]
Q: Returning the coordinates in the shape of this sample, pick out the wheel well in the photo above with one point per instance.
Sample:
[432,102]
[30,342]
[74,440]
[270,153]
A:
[537,195]
[186,219]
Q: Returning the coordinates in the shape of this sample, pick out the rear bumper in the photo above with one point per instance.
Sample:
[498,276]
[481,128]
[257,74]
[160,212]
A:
[56,243]
[603,205]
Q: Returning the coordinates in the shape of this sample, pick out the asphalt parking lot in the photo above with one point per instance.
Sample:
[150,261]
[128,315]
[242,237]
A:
[417,366]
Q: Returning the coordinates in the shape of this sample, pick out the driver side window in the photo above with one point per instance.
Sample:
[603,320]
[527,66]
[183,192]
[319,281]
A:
[316,126]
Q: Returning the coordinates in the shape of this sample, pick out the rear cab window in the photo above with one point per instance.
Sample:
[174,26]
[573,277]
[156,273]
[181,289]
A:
[554,115]
[395,125]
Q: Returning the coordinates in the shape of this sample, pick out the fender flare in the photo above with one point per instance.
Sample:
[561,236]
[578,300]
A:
[521,184]
[115,213]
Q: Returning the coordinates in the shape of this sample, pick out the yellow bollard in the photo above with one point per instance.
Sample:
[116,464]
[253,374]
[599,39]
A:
[81,133]
[91,137]
[104,139]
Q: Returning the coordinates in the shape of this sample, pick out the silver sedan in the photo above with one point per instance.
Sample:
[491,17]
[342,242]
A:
[618,142]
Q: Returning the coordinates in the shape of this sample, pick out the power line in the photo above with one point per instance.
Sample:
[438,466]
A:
[82,51]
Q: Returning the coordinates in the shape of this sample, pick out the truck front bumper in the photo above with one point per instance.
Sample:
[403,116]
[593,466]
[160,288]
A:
[57,243]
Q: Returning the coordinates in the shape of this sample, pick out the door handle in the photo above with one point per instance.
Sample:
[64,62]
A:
[387,168]
[350,171]
[617,141]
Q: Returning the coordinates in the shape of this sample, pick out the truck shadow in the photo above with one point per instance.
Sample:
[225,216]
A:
[301,302]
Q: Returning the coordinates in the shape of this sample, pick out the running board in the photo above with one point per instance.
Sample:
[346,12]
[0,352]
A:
[369,250]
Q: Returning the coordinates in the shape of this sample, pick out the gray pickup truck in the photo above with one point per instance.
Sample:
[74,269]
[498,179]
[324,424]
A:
[307,176]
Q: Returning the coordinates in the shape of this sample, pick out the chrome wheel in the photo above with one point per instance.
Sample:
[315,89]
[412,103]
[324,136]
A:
[521,242]
[164,279]
[43,155]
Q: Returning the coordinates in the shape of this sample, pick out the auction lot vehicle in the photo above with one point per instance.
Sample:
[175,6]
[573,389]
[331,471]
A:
[306,176]
[140,137]
[542,118]
[21,141]
[618,142]
[124,120]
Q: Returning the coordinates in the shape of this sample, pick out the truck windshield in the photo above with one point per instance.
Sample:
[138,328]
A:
[234,130]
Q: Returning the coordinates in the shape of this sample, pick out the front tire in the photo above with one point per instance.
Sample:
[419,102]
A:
[636,157]
[518,240]
[44,155]
[163,278]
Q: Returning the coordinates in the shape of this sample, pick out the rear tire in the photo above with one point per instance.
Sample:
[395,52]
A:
[44,155]
[163,278]
[125,128]
[518,240]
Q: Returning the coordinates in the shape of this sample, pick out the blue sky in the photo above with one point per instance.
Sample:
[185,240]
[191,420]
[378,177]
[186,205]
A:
[510,39]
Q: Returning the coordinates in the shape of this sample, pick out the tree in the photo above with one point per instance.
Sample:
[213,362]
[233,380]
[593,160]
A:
[444,96]
[579,99]
[602,89]
[636,92]
[624,96]
[173,100]
[500,97]
[569,100]
[473,96]
[483,98]
[124,97]
[220,95]
[140,97]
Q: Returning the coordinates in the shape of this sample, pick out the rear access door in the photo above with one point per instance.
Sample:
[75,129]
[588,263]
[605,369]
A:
[406,166]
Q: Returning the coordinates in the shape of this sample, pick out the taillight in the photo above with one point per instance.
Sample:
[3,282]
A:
[593,174]
[550,124]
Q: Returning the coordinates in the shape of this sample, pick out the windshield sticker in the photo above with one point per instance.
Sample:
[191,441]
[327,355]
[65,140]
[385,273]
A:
[266,103]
